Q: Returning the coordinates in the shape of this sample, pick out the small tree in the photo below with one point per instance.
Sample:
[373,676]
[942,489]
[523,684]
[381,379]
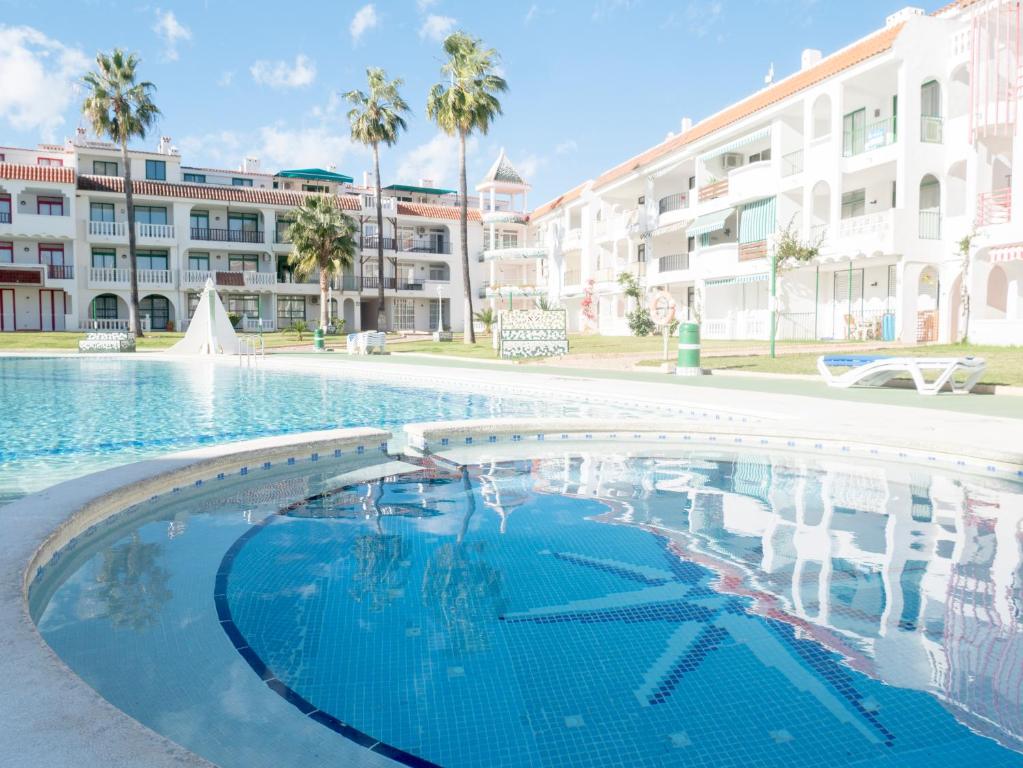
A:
[791,252]
[964,250]
[639,320]
[487,317]
[299,327]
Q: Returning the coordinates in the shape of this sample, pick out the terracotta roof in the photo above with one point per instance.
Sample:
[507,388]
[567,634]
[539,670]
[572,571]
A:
[568,197]
[435,211]
[54,175]
[868,47]
[210,192]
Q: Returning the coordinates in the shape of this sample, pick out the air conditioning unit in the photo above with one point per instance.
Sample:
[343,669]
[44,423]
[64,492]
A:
[420,230]
[731,160]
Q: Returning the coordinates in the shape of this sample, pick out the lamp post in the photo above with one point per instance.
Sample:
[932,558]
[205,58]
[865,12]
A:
[440,308]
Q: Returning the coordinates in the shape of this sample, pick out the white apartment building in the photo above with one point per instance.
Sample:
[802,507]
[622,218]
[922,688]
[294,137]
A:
[64,243]
[888,152]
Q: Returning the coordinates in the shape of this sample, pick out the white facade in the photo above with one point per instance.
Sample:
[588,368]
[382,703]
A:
[64,244]
[888,153]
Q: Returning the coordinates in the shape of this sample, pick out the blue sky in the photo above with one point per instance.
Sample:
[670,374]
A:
[591,81]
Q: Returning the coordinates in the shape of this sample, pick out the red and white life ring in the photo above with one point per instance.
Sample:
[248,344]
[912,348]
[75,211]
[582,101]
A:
[662,308]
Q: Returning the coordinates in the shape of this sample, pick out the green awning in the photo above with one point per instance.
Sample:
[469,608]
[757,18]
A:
[749,138]
[759,277]
[757,221]
[710,222]
[420,190]
[316,174]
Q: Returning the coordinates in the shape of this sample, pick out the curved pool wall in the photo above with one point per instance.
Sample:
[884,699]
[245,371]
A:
[57,717]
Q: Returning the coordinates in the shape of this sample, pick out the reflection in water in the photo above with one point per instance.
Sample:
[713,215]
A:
[914,579]
[133,586]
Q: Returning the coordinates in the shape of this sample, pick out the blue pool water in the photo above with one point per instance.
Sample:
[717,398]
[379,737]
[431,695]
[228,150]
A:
[578,610]
[66,417]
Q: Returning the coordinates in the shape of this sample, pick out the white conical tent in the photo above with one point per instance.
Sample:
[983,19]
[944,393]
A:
[210,332]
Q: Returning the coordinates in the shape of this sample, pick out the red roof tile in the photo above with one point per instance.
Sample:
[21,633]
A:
[870,46]
[436,211]
[53,175]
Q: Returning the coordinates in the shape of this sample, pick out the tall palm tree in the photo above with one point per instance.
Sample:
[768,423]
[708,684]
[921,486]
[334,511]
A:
[324,240]
[467,104]
[121,110]
[376,118]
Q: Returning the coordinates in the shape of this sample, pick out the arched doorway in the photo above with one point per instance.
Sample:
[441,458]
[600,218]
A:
[106,306]
[928,290]
[348,308]
[158,309]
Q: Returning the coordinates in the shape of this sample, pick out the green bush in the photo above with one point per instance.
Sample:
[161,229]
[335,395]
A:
[640,322]
[235,318]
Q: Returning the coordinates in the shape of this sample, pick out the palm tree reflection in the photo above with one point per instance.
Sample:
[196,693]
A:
[133,586]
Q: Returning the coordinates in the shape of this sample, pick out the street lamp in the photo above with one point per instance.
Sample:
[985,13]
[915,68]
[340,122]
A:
[440,308]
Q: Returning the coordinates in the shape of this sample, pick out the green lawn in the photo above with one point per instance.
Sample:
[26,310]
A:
[1004,364]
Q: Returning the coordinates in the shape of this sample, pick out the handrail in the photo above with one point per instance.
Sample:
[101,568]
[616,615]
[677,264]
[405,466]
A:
[672,202]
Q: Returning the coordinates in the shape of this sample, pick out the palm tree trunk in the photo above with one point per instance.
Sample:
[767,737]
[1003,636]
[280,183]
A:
[381,313]
[469,335]
[324,288]
[134,322]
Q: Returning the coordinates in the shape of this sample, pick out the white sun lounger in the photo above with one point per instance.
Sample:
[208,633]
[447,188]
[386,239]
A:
[366,343]
[877,370]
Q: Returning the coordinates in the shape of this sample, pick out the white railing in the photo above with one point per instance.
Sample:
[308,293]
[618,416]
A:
[792,163]
[157,277]
[108,228]
[875,223]
[113,324]
[164,231]
[253,278]
[714,328]
[196,277]
[259,324]
[818,233]
[108,275]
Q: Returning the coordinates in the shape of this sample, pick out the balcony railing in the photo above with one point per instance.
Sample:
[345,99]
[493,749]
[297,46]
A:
[931,129]
[792,163]
[196,277]
[156,277]
[60,271]
[673,202]
[108,228]
[714,190]
[349,283]
[372,283]
[108,275]
[164,231]
[228,235]
[5,217]
[930,225]
[424,245]
[673,262]
[875,135]
[374,242]
[994,207]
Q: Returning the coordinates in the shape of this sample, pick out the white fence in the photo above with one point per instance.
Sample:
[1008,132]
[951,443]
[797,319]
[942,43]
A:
[112,324]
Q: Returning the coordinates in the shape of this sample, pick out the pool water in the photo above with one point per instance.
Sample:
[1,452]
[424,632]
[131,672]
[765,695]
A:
[66,417]
[578,610]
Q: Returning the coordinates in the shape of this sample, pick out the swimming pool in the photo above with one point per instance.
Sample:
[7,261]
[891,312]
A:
[587,608]
[65,417]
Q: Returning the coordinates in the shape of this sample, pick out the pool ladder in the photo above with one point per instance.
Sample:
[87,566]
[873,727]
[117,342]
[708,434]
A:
[250,350]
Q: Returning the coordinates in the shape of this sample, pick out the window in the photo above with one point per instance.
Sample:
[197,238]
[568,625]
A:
[759,157]
[151,259]
[404,311]
[104,259]
[101,211]
[50,162]
[854,133]
[193,304]
[195,178]
[690,243]
[50,206]
[290,309]
[150,214]
[509,239]
[157,308]
[281,233]
[243,262]
[200,261]
[5,209]
[434,313]
[854,203]
[51,254]
[6,253]
[440,272]
[104,307]
[641,252]
[104,167]
[156,170]
[315,188]
[3,157]
[237,182]
[199,221]
[244,304]
[692,182]
[247,223]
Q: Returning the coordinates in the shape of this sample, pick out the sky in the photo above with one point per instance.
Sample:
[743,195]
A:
[591,82]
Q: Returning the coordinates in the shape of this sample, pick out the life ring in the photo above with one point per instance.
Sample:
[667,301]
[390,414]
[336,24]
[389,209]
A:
[662,308]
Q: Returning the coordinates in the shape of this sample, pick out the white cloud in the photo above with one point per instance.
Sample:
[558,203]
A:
[566,147]
[171,31]
[281,74]
[277,146]
[437,160]
[425,5]
[437,27]
[226,78]
[38,79]
[528,166]
[365,19]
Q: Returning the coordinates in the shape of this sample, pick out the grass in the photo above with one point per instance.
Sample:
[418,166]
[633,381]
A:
[1004,364]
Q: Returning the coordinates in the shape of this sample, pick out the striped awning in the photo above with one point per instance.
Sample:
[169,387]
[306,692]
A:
[757,221]
[710,222]
[1012,252]
[675,227]
[759,277]
[749,138]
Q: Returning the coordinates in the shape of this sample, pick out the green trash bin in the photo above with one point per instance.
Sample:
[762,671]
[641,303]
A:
[688,350]
[318,344]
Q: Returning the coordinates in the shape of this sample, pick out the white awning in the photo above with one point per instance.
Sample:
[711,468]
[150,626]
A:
[710,222]
[749,138]
[759,277]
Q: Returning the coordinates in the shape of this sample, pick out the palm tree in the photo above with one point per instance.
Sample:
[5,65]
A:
[375,118]
[466,105]
[121,110]
[486,317]
[324,240]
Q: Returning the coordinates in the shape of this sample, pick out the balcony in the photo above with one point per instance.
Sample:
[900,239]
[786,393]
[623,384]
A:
[876,135]
[372,283]
[870,234]
[60,272]
[35,225]
[208,234]
[511,290]
[752,182]
[5,217]
[713,190]
[672,202]
[572,240]
[792,163]
[676,262]
[428,244]
[373,242]
[930,225]
[116,277]
[148,231]
[108,231]
[751,251]
[514,253]
[994,207]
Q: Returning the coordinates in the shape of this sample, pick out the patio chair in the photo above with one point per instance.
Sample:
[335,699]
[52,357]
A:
[365,343]
[877,370]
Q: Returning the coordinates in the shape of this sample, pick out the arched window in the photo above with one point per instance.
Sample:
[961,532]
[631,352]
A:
[930,112]
[158,309]
[103,307]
